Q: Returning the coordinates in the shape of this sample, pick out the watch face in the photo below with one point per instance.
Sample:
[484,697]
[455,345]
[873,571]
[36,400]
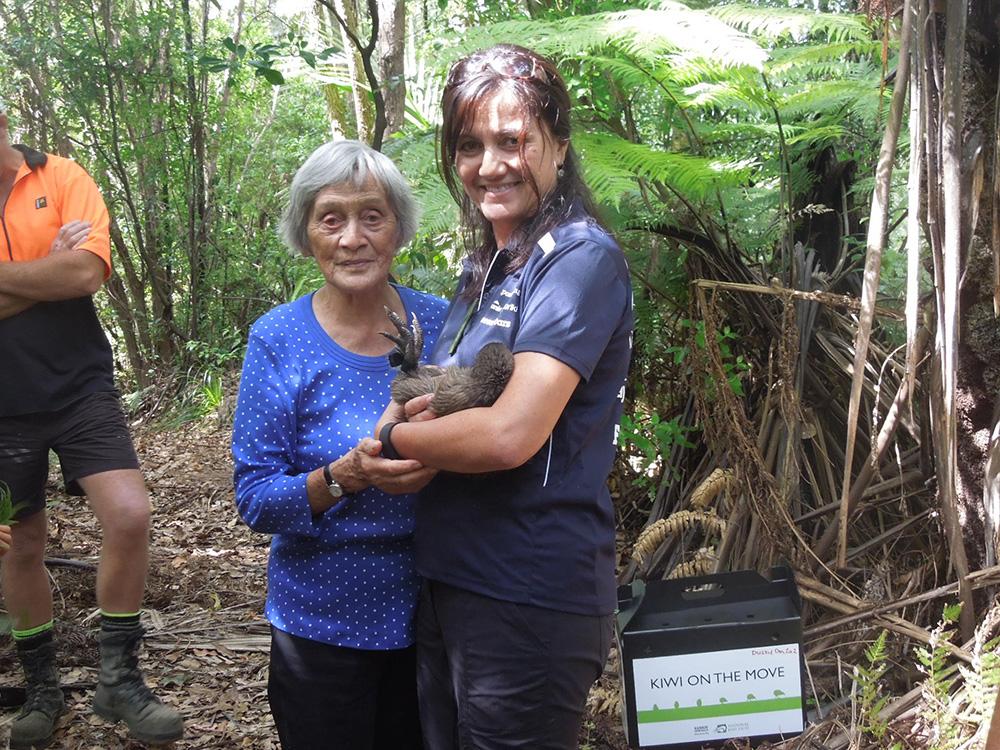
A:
[332,487]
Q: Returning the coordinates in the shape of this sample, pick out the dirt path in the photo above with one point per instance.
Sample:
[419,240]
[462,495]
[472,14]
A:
[206,648]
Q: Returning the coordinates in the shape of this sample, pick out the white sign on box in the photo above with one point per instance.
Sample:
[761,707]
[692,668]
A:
[743,692]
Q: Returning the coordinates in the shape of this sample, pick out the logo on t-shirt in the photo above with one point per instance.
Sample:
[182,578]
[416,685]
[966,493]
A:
[40,202]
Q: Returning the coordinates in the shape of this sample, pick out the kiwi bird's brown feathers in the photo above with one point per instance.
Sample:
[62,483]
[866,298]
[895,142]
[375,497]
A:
[454,388]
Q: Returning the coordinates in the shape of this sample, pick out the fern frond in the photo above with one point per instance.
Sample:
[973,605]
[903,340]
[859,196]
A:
[827,97]
[649,35]
[799,24]
[703,563]
[726,134]
[416,157]
[804,58]
[607,159]
[735,93]
[635,77]
[816,136]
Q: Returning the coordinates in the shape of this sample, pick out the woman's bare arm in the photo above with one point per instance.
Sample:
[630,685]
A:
[502,436]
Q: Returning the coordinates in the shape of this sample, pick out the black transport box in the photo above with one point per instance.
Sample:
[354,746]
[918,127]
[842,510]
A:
[711,658]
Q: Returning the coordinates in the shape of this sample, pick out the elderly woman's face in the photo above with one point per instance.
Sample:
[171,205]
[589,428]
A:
[489,164]
[354,235]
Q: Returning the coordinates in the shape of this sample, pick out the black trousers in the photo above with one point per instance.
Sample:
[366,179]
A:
[494,675]
[331,698]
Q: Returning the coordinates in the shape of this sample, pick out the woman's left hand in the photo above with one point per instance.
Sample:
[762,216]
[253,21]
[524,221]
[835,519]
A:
[415,410]
[5,540]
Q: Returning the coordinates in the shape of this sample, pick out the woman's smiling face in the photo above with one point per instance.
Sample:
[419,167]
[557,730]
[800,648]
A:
[494,168]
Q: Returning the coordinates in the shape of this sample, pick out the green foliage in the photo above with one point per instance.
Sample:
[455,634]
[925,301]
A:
[734,365]
[8,509]
[957,697]
[613,165]
[792,24]
[675,36]
[651,437]
[935,657]
[211,394]
[871,697]
[191,156]
[694,116]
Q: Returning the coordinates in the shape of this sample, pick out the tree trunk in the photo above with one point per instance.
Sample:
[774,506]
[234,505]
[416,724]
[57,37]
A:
[363,114]
[392,36]
[979,347]
[197,229]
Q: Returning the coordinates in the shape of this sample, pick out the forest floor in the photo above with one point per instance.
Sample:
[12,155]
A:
[207,640]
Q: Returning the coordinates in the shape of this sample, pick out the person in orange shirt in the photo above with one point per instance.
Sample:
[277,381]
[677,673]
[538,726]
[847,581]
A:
[57,393]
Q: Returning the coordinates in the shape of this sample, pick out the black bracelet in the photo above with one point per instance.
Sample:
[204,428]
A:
[384,436]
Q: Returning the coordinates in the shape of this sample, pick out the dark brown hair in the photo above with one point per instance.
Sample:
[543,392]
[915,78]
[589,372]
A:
[541,93]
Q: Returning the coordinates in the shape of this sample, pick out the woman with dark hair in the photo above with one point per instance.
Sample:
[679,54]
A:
[515,537]
[342,589]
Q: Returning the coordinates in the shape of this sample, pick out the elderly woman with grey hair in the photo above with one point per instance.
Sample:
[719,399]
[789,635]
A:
[342,588]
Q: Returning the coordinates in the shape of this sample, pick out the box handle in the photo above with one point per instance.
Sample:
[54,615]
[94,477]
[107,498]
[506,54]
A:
[707,589]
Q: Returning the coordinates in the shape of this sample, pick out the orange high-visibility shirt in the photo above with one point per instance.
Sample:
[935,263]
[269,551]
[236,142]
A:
[55,352]
[44,198]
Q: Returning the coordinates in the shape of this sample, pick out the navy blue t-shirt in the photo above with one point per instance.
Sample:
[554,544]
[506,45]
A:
[542,534]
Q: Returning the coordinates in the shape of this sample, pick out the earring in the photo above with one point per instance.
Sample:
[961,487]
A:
[560,172]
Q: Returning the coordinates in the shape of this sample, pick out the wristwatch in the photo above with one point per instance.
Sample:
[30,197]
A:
[332,485]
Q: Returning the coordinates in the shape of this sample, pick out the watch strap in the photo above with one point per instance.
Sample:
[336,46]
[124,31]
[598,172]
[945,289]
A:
[385,437]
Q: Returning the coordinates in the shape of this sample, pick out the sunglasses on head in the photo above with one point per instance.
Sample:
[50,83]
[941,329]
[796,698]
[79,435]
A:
[521,67]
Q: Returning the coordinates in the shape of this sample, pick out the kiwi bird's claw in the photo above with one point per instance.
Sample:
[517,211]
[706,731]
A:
[398,322]
[418,339]
[397,340]
[409,343]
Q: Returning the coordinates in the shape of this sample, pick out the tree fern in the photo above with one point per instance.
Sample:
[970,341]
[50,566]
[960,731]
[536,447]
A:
[777,24]
[694,176]
[814,59]
[416,157]
[649,35]
[819,98]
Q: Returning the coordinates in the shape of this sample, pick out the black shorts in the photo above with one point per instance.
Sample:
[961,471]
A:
[89,436]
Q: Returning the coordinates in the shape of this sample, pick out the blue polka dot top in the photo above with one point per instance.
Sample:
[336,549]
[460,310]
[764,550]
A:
[346,577]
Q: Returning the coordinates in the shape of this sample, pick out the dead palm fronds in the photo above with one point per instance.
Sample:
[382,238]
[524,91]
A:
[675,524]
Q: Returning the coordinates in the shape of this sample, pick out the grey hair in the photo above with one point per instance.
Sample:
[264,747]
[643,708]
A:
[345,163]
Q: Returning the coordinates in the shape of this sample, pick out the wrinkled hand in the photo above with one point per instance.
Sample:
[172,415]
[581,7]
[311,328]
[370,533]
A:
[5,540]
[392,477]
[70,236]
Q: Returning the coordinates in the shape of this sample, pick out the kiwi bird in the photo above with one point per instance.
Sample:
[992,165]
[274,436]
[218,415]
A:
[454,388]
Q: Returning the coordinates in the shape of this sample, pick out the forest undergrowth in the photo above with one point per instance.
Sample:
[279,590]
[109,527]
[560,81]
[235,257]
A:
[869,684]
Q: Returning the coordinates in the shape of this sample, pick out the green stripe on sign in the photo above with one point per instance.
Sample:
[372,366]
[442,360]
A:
[722,709]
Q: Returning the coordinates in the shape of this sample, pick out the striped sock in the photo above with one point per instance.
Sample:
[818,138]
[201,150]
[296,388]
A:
[32,638]
[118,620]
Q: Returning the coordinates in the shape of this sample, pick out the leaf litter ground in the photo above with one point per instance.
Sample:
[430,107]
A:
[206,645]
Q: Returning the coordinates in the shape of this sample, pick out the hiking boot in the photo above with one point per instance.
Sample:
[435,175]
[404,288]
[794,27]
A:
[36,721]
[122,694]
